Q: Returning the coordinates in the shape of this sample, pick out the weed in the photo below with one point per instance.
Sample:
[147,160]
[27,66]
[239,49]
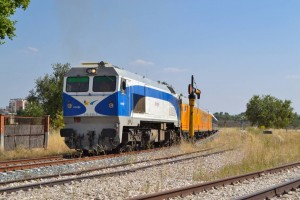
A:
[56,146]
[158,186]
[146,187]
[261,151]
[200,175]
[186,146]
[130,159]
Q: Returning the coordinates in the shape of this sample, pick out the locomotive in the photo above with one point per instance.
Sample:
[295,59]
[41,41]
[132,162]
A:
[107,108]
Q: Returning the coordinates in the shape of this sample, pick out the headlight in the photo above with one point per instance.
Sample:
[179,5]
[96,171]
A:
[69,105]
[91,70]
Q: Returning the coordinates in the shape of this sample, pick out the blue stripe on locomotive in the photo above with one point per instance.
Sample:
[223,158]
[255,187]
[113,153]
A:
[121,105]
[77,107]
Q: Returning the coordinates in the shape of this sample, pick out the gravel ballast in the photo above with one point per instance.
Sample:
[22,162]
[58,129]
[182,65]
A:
[150,180]
[140,182]
[248,186]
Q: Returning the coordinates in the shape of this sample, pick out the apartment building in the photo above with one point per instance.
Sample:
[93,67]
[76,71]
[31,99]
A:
[16,105]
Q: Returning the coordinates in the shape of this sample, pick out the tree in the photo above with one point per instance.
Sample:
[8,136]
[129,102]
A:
[269,112]
[48,92]
[225,119]
[33,109]
[285,115]
[296,121]
[8,8]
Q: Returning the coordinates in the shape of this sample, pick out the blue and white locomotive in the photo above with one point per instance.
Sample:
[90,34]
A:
[107,108]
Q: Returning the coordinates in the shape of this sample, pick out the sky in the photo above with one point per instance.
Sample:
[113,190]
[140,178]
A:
[235,49]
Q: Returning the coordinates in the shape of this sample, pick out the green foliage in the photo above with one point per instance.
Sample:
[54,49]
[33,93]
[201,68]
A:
[296,121]
[269,112]
[227,117]
[8,8]
[48,93]
[33,109]
[58,121]
[227,120]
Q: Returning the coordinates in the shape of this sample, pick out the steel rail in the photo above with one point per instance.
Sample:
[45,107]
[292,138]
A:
[78,178]
[9,162]
[57,160]
[100,168]
[12,165]
[197,188]
[36,164]
[270,192]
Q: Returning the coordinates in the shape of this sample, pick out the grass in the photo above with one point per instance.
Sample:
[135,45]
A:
[56,146]
[187,147]
[261,151]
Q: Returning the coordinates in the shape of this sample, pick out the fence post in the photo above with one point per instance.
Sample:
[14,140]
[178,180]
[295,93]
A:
[46,130]
[2,132]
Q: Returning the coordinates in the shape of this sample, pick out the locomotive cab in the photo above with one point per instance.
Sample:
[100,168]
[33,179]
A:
[90,107]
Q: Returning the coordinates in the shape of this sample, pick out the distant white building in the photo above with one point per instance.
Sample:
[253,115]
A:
[16,105]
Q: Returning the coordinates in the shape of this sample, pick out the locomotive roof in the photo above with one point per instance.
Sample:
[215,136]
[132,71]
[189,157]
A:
[115,71]
[127,74]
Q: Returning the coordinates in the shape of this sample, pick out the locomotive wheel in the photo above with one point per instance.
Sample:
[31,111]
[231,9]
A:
[85,152]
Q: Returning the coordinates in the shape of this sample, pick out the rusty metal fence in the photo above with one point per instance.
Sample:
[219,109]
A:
[23,132]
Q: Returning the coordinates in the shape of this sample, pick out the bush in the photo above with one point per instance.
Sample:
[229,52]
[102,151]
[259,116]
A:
[58,121]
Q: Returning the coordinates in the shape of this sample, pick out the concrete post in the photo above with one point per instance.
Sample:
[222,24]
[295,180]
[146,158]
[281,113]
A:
[2,129]
[46,130]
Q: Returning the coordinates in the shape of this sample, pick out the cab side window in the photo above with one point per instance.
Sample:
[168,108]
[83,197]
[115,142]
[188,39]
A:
[123,86]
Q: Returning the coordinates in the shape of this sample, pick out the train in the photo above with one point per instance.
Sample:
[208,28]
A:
[107,108]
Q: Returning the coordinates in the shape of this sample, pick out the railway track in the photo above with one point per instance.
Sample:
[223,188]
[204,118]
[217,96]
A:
[10,162]
[276,190]
[12,165]
[197,188]
[130,169]
[79,172]
[22,164]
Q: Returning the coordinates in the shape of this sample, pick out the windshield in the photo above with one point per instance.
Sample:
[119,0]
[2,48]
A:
[104,84]
[77,84]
